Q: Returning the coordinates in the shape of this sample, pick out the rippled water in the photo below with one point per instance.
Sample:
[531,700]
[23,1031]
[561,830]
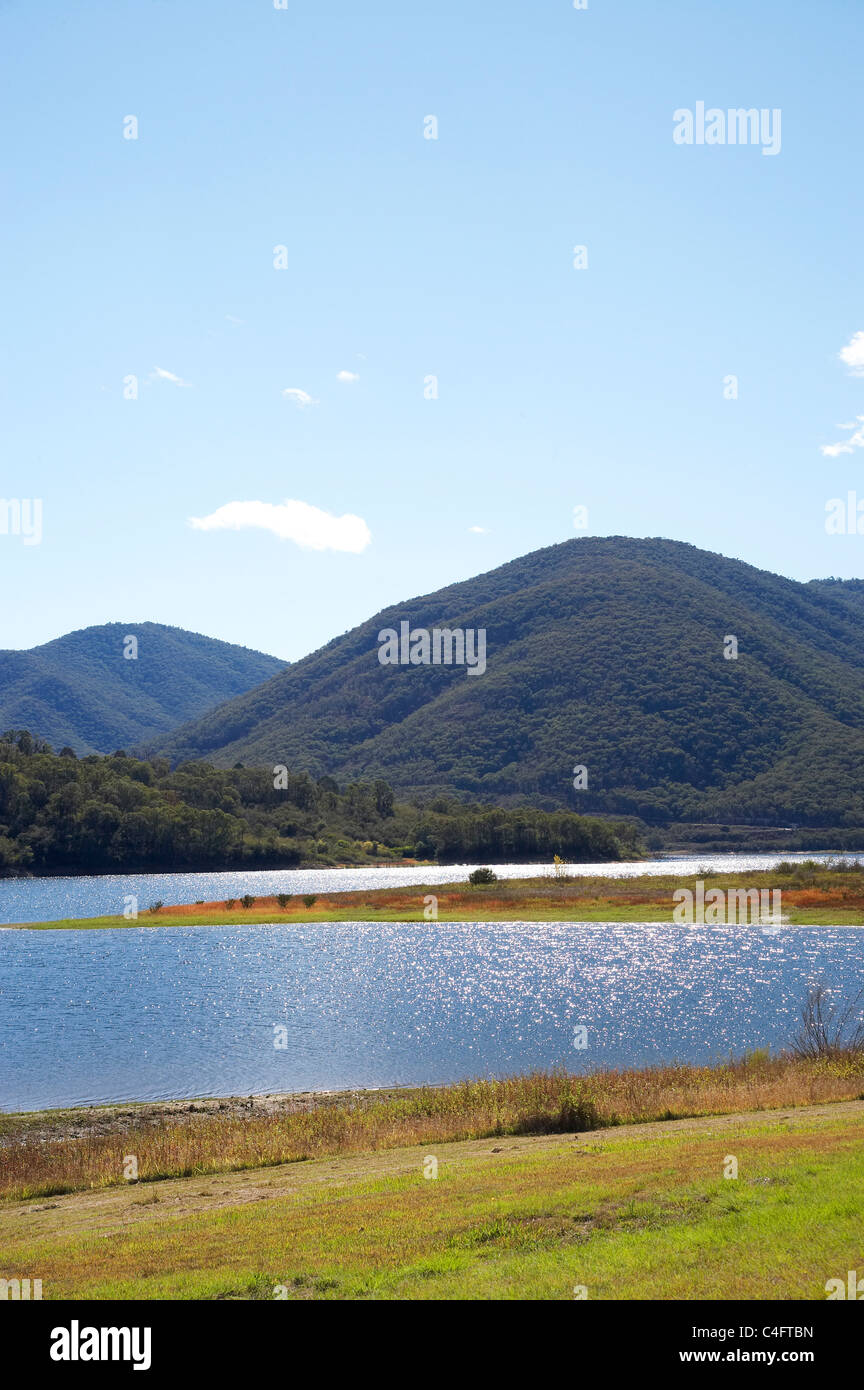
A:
[147,1014]
[50,899]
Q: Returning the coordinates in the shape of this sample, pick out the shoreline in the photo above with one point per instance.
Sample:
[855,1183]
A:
[120,1116]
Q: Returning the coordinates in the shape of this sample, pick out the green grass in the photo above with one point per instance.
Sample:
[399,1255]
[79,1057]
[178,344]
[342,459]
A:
[600,913]
[626,1215]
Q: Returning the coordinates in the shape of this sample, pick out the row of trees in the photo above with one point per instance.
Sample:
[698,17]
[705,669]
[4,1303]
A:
[59,812]
[500,836]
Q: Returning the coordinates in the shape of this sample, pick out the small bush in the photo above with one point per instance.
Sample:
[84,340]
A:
[230,904]
[483,876]
[283,899]
[247,900]
[830,1030]
[310,899]
[154,907]
[573,1113]
[577,1113]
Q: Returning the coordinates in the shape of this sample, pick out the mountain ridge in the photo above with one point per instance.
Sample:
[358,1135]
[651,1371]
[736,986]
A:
[80,691]
[602,651]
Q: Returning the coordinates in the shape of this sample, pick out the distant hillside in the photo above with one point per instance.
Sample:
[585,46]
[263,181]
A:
[80,691]
[606,652]
[848,591]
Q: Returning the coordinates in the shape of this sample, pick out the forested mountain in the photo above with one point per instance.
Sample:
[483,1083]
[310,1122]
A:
[82,692]
[603,652]
[848,591]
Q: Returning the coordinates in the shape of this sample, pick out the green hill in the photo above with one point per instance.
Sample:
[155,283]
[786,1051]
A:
[606,652]
[80,691]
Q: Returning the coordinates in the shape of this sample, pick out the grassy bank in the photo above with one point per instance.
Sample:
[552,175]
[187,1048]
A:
[643,1213]
[65,1151]
[811,896]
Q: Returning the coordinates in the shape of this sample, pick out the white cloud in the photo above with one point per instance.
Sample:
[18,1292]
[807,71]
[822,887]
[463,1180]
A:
[347,376]
[232,319]
[853,354]
[300,398]
[847,446]
[307,526]
[479,530]
[160,374]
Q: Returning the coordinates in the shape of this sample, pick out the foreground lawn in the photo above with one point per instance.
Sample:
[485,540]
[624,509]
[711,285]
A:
[635,1213]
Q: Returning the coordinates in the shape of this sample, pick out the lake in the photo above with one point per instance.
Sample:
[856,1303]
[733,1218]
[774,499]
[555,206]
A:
[147,1014]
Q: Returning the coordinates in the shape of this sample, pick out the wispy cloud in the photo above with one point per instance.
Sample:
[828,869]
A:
[300,398]
[479,530]
[160,374]
[347,376]
[847,446]
[232,319]
[305,525]
[853,356]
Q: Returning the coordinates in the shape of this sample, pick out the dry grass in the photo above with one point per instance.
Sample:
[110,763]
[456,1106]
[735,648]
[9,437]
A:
[32,1164]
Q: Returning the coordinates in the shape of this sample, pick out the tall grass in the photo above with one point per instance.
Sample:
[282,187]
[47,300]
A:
[542,1102]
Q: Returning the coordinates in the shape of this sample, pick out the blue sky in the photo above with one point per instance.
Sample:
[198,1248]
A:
[406,258]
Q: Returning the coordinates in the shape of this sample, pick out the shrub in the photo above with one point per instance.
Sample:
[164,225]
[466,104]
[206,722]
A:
[247,900]
[483,876]
[574,1112]
[828,1030]
[154,907]
[283,900]
[577,1113]
[310,899]
[230,904]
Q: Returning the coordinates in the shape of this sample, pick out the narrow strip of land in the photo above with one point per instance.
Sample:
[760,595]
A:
[801,896]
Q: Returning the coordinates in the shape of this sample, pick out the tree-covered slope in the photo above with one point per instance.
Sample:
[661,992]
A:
[106,814]
[82,692]
[607,652]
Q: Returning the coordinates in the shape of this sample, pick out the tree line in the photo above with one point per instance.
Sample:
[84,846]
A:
[62,813]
